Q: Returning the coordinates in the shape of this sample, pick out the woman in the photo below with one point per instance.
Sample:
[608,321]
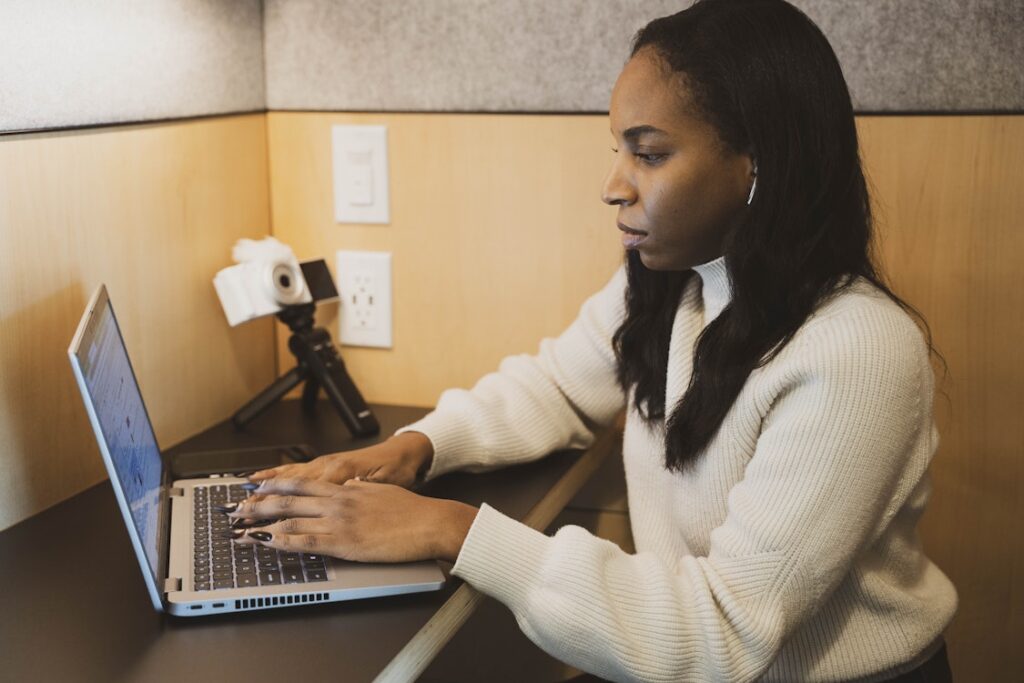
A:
[778,399]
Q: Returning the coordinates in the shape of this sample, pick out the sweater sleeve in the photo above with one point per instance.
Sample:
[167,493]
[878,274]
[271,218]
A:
[835,444]
[534,405]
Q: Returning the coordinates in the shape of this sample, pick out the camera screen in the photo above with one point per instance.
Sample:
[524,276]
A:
[319,280]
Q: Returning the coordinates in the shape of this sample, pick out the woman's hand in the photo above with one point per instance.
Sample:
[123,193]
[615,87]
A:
[400,460]
[358,520]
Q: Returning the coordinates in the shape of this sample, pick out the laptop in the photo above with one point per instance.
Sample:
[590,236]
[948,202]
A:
[189,570]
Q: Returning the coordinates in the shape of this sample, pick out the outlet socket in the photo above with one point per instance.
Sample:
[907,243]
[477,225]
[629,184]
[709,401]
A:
[364,287]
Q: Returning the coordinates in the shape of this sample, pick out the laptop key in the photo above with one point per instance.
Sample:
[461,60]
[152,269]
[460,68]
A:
[293,576]
[223,583]
[246,581]
[270,578]
[316,575]
[202,585]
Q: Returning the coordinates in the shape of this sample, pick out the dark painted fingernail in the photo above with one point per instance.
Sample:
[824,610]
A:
[231,535]
[240,523]
[261,536]
[226,507]
[250,486]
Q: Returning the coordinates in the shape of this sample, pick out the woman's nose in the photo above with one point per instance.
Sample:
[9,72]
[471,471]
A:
[617,189]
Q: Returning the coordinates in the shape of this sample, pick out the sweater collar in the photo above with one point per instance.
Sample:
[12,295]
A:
[717,290]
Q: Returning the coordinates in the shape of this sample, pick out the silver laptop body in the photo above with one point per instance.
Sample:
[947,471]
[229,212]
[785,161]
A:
[159,513]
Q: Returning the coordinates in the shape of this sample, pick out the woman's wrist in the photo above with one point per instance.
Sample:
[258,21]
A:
[454,524]
[418,450]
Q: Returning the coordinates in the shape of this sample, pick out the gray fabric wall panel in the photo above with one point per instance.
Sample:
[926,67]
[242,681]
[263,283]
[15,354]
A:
[449,55]
[927,55]
[80,62]
[563,55]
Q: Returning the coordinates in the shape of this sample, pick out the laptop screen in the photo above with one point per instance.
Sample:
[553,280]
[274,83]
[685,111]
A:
[119,414]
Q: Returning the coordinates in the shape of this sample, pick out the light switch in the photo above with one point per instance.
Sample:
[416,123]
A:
[360,155]
[359,177]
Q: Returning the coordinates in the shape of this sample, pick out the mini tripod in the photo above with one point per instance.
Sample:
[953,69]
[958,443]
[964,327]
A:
[319,365]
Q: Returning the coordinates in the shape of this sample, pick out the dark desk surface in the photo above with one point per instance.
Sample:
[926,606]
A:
[74,606]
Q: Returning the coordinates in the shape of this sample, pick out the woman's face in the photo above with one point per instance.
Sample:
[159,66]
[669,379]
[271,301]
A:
[678,189]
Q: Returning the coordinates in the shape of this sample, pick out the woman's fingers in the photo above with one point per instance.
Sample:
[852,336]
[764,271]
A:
[291,470]
[277,498]
[299,535]
[299,542]
[276,507]
[297,486]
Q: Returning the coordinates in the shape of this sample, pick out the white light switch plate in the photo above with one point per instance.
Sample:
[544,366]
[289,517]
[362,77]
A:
[364,287]
[360,155]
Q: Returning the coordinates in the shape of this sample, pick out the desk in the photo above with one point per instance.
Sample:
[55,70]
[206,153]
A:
[92,620]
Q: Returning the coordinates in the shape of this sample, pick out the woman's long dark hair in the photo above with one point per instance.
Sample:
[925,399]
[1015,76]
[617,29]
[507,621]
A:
[766,79]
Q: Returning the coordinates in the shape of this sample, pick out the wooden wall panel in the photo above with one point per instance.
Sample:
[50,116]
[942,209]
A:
[498,235]
[948,197]
[152,211]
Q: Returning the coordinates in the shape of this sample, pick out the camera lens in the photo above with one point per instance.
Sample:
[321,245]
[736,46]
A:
[289,287]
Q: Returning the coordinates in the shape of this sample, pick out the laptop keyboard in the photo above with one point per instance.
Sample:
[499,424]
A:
[220,563]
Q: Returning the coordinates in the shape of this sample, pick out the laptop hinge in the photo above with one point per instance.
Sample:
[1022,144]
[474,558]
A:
[175,492]
[172,585]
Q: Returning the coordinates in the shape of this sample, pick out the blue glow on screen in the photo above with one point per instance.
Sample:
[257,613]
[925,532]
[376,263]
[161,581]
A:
[126,429]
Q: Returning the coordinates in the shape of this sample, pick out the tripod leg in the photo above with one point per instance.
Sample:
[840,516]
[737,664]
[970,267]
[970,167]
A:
[266,398]
[309,394]
[326,368]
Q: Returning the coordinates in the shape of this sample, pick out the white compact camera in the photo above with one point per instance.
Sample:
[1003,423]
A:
[266,279]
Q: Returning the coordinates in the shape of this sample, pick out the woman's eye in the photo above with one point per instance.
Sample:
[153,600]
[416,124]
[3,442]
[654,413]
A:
[650,158]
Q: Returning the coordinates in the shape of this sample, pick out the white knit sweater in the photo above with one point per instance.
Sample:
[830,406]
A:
[788,554]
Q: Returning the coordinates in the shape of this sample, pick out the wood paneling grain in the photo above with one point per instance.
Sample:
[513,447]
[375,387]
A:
[497,230]
[948,199]
[152,211]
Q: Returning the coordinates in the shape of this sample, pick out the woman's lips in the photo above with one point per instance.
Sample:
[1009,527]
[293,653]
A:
[631,238]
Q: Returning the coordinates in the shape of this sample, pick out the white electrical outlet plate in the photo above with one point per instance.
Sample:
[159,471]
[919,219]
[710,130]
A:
[360,156]
[364,287]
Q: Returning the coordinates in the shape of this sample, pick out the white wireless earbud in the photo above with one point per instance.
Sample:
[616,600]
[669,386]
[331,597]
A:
[753,186]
